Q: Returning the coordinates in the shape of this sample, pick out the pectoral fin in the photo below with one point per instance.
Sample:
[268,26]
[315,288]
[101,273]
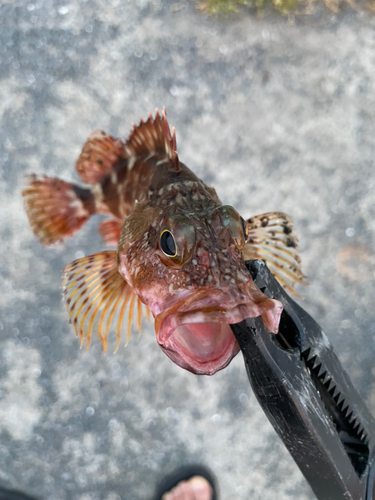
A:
[99,300]
[271,238]
[110,231]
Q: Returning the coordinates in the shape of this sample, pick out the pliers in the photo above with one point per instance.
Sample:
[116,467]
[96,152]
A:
[309,398]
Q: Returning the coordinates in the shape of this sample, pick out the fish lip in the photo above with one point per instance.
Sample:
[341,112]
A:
[199,315]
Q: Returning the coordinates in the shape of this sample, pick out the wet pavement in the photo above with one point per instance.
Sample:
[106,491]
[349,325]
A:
[275,116]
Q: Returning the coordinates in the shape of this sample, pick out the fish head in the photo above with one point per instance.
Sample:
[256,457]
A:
[187,267]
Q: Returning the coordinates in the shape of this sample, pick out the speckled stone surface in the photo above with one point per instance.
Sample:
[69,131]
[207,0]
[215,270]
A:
[276,117]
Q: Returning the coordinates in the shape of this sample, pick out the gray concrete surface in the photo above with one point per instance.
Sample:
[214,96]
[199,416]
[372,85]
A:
[276,117]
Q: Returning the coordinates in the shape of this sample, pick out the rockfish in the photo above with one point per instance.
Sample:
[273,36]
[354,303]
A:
[180,252]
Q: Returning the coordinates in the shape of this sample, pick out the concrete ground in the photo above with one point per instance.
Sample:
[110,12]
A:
[275,116]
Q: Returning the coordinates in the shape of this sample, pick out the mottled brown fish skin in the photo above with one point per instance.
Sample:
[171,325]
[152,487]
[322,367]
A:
[210,268]
[184,199]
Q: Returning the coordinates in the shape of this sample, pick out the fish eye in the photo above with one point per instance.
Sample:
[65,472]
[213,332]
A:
[168,244]
[245,229]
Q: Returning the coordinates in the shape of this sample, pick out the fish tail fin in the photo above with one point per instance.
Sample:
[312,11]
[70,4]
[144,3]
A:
[99,300]
[271,238]
[56,209]
[100,154]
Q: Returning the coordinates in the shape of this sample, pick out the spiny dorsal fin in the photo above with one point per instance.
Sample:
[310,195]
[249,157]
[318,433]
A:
[271,238]
[151,136]
[99,300]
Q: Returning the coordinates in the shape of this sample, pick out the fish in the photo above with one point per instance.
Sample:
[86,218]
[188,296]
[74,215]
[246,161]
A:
[180,253]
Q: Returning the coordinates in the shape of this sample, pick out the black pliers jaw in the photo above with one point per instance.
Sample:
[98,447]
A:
[308,398]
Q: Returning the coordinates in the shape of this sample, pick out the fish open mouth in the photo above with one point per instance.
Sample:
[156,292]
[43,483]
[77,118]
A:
[201,340]
[202,348]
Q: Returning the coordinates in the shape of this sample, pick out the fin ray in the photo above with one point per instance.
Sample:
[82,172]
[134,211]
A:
[154,135]
[271,238]
[100,153]
[139,316]
[110,318]
[110,231]
[56,209]
[120,319]
[98,299]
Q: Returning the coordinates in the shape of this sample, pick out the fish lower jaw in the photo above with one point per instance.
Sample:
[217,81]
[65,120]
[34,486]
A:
[200,341]
[201,348]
